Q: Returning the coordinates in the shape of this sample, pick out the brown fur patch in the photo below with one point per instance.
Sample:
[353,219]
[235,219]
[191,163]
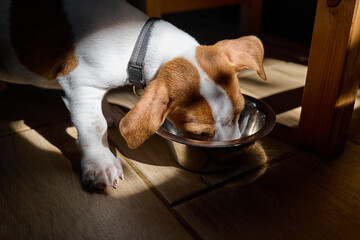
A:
[42,38]
[226,58]
[215,65]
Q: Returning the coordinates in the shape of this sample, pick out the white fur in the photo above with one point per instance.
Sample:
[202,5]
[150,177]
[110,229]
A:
[166,43]
[105,33]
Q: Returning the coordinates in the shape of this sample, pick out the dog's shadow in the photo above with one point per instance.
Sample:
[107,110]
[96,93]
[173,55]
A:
[26,107]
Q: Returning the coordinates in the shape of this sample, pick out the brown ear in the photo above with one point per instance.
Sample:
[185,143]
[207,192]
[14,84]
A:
[146,116]
[243,53]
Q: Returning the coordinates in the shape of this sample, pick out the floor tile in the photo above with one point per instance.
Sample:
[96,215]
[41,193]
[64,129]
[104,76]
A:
[281,76]
[290,118]
[263,151]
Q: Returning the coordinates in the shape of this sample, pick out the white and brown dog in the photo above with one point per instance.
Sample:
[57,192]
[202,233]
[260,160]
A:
[83,47]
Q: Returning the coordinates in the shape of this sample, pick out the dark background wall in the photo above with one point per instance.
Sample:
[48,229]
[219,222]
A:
[286,26]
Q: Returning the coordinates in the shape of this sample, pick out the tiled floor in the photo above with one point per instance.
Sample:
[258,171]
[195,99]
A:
[277,192]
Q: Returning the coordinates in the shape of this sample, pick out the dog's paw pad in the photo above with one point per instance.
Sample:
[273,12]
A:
[102,174]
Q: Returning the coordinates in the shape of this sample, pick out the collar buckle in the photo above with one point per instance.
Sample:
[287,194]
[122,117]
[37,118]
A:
[135,75]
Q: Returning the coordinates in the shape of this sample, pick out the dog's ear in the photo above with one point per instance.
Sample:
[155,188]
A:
[244,53]
[147,115]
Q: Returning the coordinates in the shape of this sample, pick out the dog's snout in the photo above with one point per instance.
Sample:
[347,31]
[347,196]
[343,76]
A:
[227,132]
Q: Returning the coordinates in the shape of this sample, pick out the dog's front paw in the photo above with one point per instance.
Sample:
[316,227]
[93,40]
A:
[101,171]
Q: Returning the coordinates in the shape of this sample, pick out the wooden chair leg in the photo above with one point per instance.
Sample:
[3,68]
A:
[153,8]
[333,77]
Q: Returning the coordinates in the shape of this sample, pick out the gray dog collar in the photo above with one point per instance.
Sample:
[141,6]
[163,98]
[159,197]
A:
[136,63]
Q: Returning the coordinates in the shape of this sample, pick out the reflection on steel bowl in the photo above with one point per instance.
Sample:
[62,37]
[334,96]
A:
[256,121]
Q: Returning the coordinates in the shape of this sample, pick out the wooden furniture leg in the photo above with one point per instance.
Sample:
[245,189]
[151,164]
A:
[251,16]
[153,8]
[333,77]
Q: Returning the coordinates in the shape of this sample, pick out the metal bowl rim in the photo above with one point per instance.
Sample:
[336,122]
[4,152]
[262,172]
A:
[266,129]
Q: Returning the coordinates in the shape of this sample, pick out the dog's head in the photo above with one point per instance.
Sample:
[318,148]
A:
[201,96]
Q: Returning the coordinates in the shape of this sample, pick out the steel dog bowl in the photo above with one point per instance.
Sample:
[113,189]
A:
[256,121]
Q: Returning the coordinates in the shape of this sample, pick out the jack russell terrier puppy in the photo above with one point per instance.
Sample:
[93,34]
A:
[83,47]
